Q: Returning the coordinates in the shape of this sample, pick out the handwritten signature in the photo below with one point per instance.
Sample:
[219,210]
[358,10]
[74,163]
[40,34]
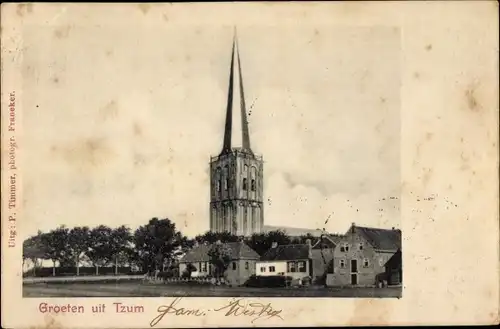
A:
[242,307]
[236,307]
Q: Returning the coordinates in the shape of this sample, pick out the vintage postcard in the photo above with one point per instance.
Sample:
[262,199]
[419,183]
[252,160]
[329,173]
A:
[249,164]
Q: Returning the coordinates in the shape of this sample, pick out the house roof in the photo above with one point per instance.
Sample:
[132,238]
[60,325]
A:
[394,261]
[292,231]
[287,252]
[328,241]
[382,239]
[239,250]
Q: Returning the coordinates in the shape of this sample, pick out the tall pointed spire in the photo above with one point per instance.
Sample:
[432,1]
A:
[229,110]
[230,128]
[244,120]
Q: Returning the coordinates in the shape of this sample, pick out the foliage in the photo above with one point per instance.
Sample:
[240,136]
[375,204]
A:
[190,268]
[56,246]
[212,237]
[303,238]
[272,281]
[119,243]
[155,242]
[78,243]
[33,250]
[262,242]
[220,258]
[100,252]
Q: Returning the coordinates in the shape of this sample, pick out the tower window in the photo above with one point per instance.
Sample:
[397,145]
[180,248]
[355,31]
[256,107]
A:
[226,186]
[218,186]
[253,185]
[244,184]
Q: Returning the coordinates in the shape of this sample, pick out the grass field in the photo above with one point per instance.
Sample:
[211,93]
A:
[140,289]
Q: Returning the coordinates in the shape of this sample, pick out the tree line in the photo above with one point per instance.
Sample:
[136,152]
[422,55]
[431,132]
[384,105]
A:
[151,247]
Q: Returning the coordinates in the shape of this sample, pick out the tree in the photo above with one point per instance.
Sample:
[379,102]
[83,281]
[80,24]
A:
[212,237]
[190,268]
[100,251]
[56,247]
[155,242]
[303,238]
[78,240]
[33,250]
[262,242]
[220,258]
[120,241]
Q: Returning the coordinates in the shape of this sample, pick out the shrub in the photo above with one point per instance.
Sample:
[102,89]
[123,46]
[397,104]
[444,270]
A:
[274,281]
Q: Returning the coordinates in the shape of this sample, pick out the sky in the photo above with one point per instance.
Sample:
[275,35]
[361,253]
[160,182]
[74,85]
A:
[120,123]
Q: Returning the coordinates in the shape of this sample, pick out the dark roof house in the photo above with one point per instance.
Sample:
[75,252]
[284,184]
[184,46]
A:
[380,239]
[328,241]
[287,252]
[239,250]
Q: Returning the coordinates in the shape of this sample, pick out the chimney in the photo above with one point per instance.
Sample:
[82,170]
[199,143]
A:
[274,245]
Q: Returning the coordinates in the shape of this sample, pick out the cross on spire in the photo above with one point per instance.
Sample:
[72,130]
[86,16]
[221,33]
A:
[231,132]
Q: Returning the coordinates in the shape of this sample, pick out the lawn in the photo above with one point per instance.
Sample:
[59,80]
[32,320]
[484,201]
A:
[140,289]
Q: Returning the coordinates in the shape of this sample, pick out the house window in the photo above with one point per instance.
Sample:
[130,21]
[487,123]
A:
[263,269]
[342,263]
[366,262]
[234,265]
[302,266]
[381,261]
[344,247]
[272,269]
[244,184]
[361,246]
[291,267]
[253,185]
[246,265]
[204,267]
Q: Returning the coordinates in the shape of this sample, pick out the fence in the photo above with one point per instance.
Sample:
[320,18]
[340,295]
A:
[83,270]
[184,281]
[84,279]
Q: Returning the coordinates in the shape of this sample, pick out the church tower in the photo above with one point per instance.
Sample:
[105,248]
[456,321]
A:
[236,174]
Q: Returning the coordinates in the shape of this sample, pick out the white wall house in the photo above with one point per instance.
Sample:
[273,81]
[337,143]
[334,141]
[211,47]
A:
[293,260]
[263,268]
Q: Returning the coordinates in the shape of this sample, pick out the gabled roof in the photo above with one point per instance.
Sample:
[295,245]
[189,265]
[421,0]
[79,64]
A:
[381,239]
[287,252]
[239,250]
[328,241]
[292,231]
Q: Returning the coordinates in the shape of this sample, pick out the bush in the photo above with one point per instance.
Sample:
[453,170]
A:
[168,274]
[274,281]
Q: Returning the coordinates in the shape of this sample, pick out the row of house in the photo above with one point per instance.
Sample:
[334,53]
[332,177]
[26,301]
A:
[362,256]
